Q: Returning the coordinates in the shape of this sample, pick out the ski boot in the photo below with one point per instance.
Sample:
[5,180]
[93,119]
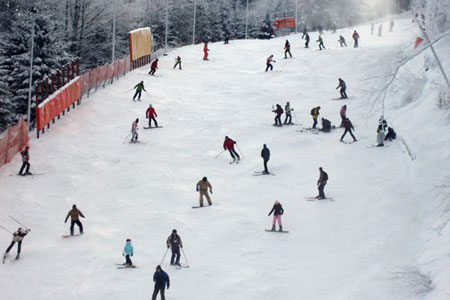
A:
[17,256]
[281,228]
[273,228]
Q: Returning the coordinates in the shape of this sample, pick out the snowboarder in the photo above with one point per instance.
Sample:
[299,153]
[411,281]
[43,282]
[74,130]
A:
[326,125]
[153,67]
[278,111]
[265,154]
[269,63]
[18,237]
[391,25]
[342,41]
[134,129]
[307,38]
[323,178]
[382,124]
[25,161]
[139,88]
[227,37]
[372,28]
[228,144]
[348,128]
[174,242]
[355,37]
[288,110]
[177,62]
[391,135]
[287,49]
[74,215]
[380,137]
[315,114]
[320,41]
[277,211]
[151,114]
[343,87]
[380,29]
[161,279]
[343,114]
[128,252]
[205,51]
[202,187]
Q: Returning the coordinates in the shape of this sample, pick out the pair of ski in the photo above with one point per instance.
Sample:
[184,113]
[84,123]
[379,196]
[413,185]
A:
[235,161]
[5,256]
[125,266]
[344,142]
[311,130]
[153,127]
[198,206]
[318,199]
[260,173]
[29,174]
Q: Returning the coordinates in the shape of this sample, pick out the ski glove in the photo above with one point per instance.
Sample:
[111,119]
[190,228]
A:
[196,189]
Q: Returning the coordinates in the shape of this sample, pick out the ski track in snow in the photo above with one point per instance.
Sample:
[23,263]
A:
[345,249]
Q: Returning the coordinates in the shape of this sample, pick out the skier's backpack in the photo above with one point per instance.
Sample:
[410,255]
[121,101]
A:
[312,112]
[281,111]
[325,176]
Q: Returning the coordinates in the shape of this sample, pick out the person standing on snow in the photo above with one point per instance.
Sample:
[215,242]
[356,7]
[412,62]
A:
[315,115]
[269,63]
[323,178]
[380,29]
[355,37]
[380,137]
[205,51]
[18,237]
[342,41]
[228,144]
[391,25]
[382,124]
[278,111]
[343,114]
[288,110]
[174,243]
[202,187]
[287,49]
[128,252]
[348,128]
[307,38]
[153,67]
[161,279]
[134,129]
[177,62]
[372,28]
[265,154]
[227,37]
[74,215]
[25,153]
[277,211]
[139,88]
[343,87]
[304,32]
[320,41]
[151,114]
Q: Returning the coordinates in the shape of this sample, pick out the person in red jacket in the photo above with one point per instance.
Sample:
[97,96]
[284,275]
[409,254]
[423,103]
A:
[355,38]
[205,51]
[269,63]
[228,144]
[25,161]
[278,112]
[151,114]
[287,49]
[153,67]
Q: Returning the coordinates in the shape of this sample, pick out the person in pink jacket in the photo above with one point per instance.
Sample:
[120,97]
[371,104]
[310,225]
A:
[134,129]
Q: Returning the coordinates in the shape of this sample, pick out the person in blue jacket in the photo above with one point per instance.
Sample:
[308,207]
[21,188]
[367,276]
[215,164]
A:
[161,279]
[128,252]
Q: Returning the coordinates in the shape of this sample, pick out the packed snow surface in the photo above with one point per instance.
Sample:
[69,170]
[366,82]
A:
[350,248]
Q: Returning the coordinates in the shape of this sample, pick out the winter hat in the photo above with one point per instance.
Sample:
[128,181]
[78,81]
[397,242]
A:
[74,206]
[174,231]
[27,147]
[128,240]
[158,267]
[204,178]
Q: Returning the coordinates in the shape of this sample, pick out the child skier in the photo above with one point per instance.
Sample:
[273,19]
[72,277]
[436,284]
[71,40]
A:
[18,237]
[139,88]
[151,114]
[269,63]
[320,41]
[277,211]
[202,187]
[25,161]
[278,111]
[177,62]
[128,252]
[343,87]
[153,67]
[174,242]
[287,49]
[228,144]
[161,279]
[134,129]
[74,215]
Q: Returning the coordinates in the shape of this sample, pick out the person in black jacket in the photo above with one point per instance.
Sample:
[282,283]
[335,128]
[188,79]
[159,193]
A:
[323,178]
[326,125]
[174,242]
[160,278]
[277,211]
[348,128]
[265,154]
[307,40]
[343,87]
[391,135]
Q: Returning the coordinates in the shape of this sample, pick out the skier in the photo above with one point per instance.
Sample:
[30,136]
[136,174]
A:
[320,41]
[134,129]
[380,137]
[391,25]
[342,41]
[265,154]
[343,87]
[391,135]
[153,67]
[288,110]
[174,242]
[228,144]
[139,88]
[277,211]
[74,215]
[372,28]
[202,187]
[25,161]
[304,32]
[348,128]
[177,62]
[205,51]
[307,40]
[326,125]
[18,237]
[287,49]
[323,178]
[355,37]
[315,114]
[382,124]
[380,29]
[278,111]
[128,252]
[151,114]
[269,63]
[161,279]
[343,114]
[227,37]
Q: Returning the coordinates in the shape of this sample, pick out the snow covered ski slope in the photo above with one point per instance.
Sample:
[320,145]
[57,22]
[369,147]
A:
[350,248]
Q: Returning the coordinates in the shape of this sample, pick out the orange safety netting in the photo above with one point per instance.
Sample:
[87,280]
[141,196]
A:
[12,140]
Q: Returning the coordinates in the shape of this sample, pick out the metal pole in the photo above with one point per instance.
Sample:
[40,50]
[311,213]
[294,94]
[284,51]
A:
[114,33]
[195,20]
[296,12]
[30,83]
[167,25]
[246,22]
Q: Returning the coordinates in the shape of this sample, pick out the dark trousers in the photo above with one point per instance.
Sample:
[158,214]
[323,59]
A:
[150,122]
[128,260]
[288,116]
[278,120]
[343,93]
[138,93]
[155,293]
[175,255]
[307,44]
[321,45]
[234,154]
[321,192]
[72,225]
[269,66]
[342,122]
[177,64]
[152,71]
[286,52]
[265,166]
[343,44]
[19,246]
[25,164]
[349,131]
[356,43]
[315,123]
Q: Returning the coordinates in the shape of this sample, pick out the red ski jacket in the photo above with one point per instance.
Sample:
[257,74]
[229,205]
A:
[150,113]
[154,65]
[229,144]
[355,35]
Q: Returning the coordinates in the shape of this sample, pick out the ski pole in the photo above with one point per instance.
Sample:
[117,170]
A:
[18,222]
[5,229]
[187,262]
[148,94]
[164,256]
[242,154]
[219,154]
[127,136]
[128,90]
[34,171]
[295,116]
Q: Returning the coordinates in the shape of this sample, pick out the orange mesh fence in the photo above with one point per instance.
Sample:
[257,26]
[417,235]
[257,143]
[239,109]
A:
[12,140]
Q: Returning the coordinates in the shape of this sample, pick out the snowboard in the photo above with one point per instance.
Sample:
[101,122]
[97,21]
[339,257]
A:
[137,142]
[256,173]
[126,267]
[316,199]
[198,206]
[284,231]
[153,127]
[31,174]
[375,146]
[65,236]
[341,98]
